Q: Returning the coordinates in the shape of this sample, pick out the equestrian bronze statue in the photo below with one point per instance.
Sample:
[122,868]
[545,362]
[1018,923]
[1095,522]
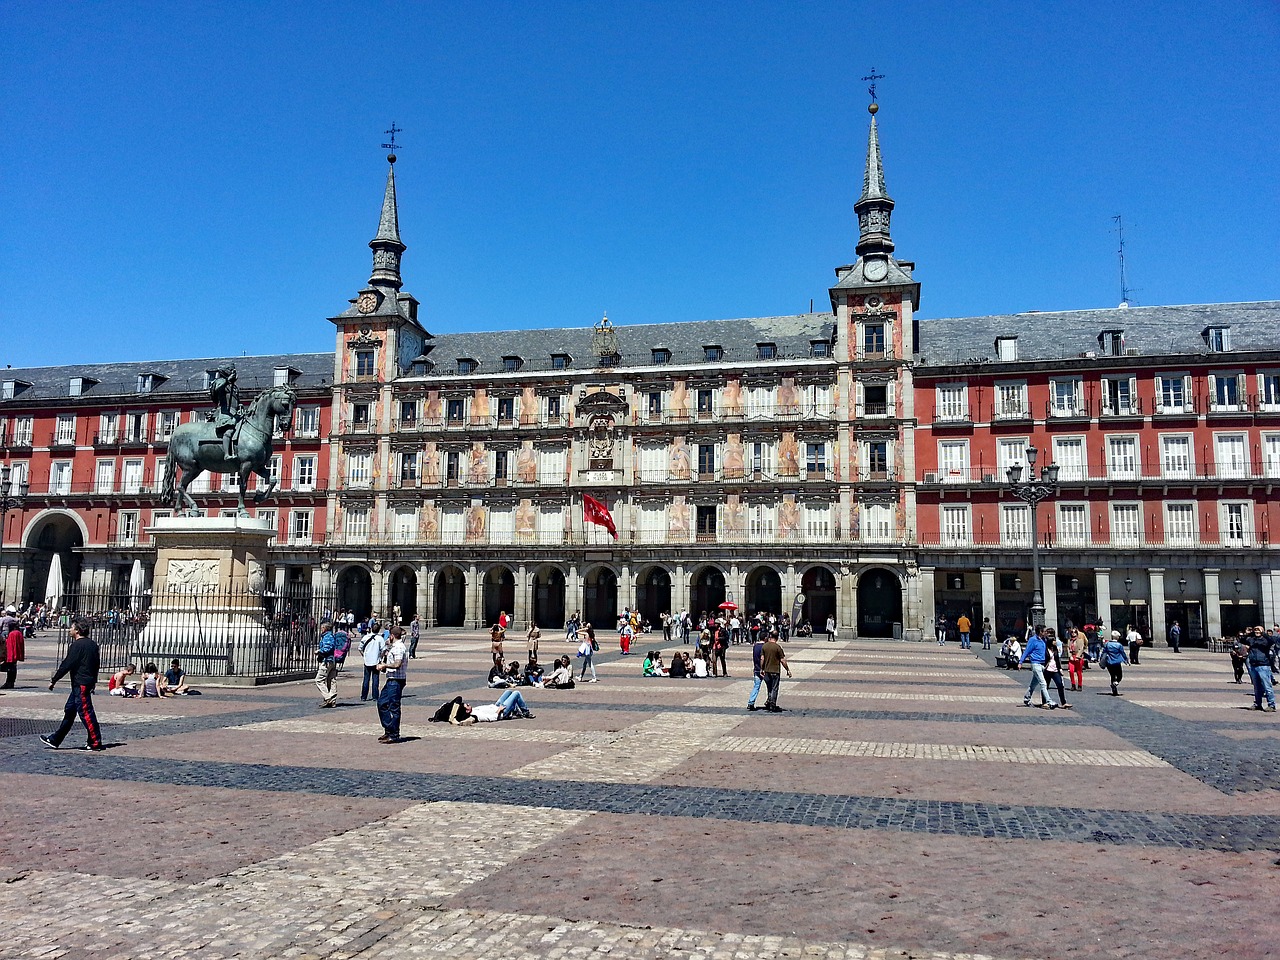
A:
[236,441]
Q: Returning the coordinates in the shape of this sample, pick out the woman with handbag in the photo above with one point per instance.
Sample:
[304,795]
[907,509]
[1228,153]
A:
[586,650]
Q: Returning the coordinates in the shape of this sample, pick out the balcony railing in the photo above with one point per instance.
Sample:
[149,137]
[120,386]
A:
[1145,472]
[1093,540]
[507,538]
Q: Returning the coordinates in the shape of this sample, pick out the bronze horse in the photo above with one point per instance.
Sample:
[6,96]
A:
[196,448]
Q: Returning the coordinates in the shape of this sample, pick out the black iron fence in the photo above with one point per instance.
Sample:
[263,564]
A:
[239,635]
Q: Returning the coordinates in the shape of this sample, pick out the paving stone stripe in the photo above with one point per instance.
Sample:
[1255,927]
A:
[939,751]
[947,818]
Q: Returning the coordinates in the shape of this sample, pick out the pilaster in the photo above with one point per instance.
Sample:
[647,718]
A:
[1212,603]
[1158,628]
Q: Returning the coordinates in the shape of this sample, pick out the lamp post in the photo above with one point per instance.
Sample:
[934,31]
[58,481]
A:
[11,497]
[1034,491]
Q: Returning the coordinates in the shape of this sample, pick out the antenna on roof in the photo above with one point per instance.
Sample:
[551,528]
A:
[1125,290]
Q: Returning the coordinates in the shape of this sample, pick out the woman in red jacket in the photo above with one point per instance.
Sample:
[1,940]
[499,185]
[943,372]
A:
[15,651]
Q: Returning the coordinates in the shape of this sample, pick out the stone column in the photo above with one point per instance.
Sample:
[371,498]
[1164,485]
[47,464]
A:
[475,598]
[679,589]
[846,607]
[790,587]
[572,591]
[1049,590]
[379,578]
[523,611]
[426,596]
[1102,594]
[1158,628]
[988,577]
[928,602]
[1269,580]
[735,587]
[626,588]
[1212,604]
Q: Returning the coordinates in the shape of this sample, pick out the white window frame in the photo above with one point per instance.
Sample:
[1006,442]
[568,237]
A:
[1119,396]
[60,473]
[1177,456]
[1123,457]
[1073,524]
[952,402]
[301,529]
[104,476]
[1015,524]
[1181,526]
[301,482]
[1179,397]
[128,527]
[877,523]
[1011,400]
[1231,456]
[1269,390]
[65,429]
[1126,524]
[1271,455]
[1227,392]
[955,525]
[1068,402]
[1070,454]
[953,461]
[359,468]
[1236,522]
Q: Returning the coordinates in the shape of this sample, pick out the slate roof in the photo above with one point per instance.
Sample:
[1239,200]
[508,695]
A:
[181,376]
[738,338]
[1151,331]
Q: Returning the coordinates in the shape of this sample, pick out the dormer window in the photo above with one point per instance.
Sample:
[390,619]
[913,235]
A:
[1007,348]
[1218,339]
[560,361]
[11,388]
[512,364]
[1112,343]
[420,366]
[712,353]
[284,376]
[661,355]
[819,348]
[76,386]
[466,365]
[766,351]
[148,382]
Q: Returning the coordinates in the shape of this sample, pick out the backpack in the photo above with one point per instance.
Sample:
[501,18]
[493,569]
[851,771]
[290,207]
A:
[341,644]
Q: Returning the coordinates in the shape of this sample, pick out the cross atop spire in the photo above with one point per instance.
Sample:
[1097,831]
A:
[874,208]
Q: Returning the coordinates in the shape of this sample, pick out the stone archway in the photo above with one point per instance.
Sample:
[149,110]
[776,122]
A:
[706,591]
[879,602]
[403,593]
[547,609]
[763,591]
[600,598]
[451,597]
[355,591]
[819,588]
[653,594]
[499,594]
[53,533]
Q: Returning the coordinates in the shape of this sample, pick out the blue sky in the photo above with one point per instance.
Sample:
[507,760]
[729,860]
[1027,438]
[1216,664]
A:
[199,180]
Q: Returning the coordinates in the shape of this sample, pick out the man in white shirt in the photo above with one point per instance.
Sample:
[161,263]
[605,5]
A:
[371,648]
[395,666]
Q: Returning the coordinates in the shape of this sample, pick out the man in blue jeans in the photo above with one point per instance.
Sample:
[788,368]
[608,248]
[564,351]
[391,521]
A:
[756,648]
[1036,654]
[1261,649]
[395,667]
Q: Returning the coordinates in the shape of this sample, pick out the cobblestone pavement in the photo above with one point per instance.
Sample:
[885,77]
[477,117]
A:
[905,805]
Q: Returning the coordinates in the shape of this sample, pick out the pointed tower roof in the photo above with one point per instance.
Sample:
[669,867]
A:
[386,246]
[874,208]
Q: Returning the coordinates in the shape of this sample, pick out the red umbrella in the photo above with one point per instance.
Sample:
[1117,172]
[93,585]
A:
[728,605]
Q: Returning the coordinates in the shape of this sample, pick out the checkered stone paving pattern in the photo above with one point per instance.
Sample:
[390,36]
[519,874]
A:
[653,818]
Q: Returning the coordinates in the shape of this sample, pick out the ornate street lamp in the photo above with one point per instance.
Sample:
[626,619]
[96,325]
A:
[11,497]
[1034,491]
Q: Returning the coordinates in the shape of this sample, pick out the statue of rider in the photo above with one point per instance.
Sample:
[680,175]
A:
[226,399]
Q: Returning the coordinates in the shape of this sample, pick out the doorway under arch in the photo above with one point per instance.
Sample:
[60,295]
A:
[706,591]
[819,588]
[355,591]
[653,594]
[451,597]
[764,591]
[600,598]
[499,594]
[55,533]
[404,593]
[548,598]
[879,602]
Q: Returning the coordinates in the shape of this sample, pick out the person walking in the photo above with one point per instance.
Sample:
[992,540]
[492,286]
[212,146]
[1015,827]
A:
[81,664]
[531,641]
[757,654]
[940,630]
[772,662]
[371,648]
[1053,665]
[1036,654]
[1175,636]
[831,627]
[1239,654]
[1134,639]
[586,650]
[395,667]
[327,670]
[986,633]
[719,645]
[13,647]
[1262,649]
[415,634]
[1076,659]
[963,624]
[1114,658]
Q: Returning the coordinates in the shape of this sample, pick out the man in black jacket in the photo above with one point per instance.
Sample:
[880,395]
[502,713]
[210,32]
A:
[81,662]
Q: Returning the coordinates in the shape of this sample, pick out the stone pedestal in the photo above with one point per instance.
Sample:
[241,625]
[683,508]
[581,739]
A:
[210,601]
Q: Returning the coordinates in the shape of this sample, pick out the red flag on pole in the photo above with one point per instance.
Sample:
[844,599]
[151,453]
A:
[593,511]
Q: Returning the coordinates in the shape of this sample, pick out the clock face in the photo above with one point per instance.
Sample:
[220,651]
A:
[368,302]
[875,270]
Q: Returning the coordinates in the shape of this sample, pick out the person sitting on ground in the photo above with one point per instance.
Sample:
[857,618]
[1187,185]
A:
[647,668]
[513,673]
[151,682]
[700,665]
[175,681]
[120,685]
[532,673]
[679,666]
[1013,659]
[498,676]
[561,677]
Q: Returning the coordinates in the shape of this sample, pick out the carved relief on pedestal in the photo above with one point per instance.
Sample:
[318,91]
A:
[255,576]
[192,575]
